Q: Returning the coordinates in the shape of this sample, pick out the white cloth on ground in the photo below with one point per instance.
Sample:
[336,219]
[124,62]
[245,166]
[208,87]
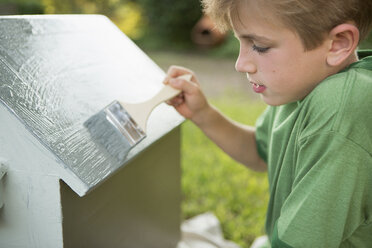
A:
[203,231]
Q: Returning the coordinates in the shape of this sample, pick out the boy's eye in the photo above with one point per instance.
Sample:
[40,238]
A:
[260,49]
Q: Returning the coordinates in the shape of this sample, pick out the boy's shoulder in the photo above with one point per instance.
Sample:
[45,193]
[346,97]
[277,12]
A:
[351,85]
[342,102]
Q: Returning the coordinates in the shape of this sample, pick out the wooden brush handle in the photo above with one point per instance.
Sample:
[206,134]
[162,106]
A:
[141,111]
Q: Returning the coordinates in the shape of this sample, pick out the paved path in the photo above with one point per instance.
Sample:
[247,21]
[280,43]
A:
[216,75]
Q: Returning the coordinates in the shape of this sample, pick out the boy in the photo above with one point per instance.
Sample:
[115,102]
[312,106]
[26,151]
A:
[315,138]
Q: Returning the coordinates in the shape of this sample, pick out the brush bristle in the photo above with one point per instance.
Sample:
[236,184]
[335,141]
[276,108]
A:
[115,130]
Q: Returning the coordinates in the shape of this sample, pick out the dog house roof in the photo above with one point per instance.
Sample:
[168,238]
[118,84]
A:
[58,70]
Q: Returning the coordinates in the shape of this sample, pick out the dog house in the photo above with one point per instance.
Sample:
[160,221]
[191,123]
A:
[59,187]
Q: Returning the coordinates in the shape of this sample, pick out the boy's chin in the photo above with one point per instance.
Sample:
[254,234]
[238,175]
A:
[272,102]
[276,101]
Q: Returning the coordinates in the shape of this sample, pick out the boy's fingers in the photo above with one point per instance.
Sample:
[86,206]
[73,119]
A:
[182,84]
[176,71]
[175,101]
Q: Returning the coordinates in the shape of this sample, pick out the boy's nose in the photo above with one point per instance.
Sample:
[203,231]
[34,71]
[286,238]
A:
[243,64]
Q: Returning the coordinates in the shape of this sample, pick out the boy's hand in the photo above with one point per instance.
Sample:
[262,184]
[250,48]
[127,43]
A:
[191,103]
[236,140]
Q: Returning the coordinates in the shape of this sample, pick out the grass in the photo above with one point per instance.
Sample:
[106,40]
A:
[213,182]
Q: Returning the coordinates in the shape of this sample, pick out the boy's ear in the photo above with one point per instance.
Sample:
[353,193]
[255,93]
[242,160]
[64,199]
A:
[344,40]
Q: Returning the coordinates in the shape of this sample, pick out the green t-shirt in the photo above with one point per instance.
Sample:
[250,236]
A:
[319,156]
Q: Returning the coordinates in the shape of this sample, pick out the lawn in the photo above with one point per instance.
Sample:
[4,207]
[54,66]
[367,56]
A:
[212,181]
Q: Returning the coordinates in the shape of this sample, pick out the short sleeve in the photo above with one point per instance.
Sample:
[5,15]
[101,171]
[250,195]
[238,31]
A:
[262,133]
[330,194]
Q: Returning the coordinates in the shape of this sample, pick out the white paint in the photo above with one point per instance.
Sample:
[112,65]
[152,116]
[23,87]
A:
[3,170]
[25,153]
[31,215]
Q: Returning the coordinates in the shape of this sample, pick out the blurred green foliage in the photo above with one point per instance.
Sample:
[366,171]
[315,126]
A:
[367,43]
[169,22]
[152,23]
[126,14]
[21,7]
[228,49]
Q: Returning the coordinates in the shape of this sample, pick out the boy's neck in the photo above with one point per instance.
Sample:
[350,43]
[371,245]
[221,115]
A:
[354,57]
[350,60]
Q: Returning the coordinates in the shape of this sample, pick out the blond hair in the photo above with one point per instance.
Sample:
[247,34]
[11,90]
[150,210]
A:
[310,19]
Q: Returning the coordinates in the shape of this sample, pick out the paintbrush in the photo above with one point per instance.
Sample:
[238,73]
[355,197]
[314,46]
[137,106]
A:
[120,126]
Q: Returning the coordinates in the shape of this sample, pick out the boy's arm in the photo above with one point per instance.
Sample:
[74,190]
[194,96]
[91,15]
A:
[235,139]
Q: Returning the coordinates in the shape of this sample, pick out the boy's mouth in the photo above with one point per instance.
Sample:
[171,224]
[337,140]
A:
[258,88]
